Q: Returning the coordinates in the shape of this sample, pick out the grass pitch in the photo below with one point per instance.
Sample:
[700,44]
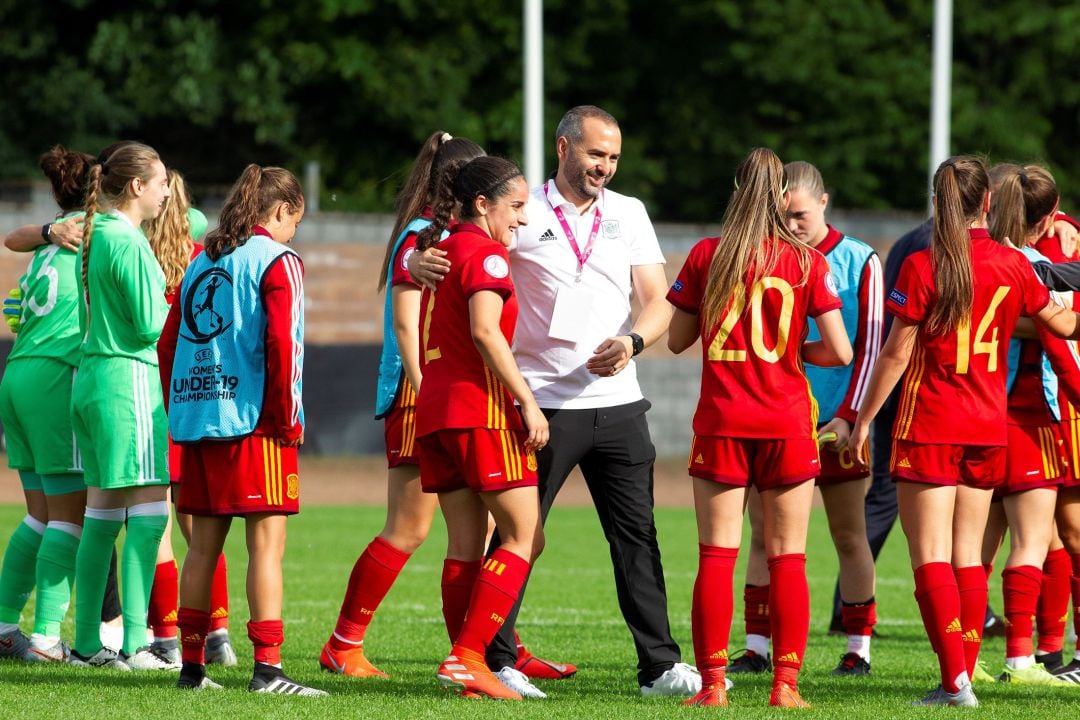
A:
[570,614]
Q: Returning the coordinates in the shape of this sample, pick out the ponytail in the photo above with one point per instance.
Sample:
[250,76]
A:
[960,185]
[93,190]
[253,196]
[754,215]
[419,191]
[1022,198]
[460,184]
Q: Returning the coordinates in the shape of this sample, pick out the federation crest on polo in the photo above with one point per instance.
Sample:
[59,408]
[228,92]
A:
[219,376]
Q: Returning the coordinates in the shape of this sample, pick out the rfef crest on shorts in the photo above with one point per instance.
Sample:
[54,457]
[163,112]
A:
[292,486]
[208,306]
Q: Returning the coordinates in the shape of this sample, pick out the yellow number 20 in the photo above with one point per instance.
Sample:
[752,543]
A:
[982,346]
[757,320]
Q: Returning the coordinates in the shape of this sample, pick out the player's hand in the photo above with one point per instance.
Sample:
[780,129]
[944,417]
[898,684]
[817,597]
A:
[860,433]
[429,267]
[611,356]
[295,442]
[67,234]
[537,426]
[1067,236]
[13,310]
[842,429]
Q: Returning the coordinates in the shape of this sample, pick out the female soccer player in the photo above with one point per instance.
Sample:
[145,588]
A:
[1023,209]
[408,510]
[955,306]
[35,405]
[117,410]
[232,358]
[749,297]
[174,236]
[476,451]
[838,391]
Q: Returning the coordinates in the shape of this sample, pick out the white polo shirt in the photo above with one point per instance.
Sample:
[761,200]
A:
[552,356]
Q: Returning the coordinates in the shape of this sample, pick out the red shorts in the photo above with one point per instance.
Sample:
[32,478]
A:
[762,463]
[239,477]
[477,458]
[839,467]
[174,461]
[1035,459]
[978,466]
[1070,432]
[399,432]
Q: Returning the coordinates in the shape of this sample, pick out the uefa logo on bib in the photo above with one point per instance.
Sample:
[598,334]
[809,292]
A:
[208,306]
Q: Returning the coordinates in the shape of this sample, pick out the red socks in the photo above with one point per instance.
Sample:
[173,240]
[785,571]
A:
[1074,582]
[458,579]
[219,596]
[164,600]
[858,618]
[756,602]
[971,584]
[494,593]
[1053,606]
[267,637]
[1020,585]
[713,605]
[372,577]
[194,625]
[789,611]
[939,604]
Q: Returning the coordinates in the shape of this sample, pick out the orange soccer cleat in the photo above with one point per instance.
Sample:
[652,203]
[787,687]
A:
[714,695]
[785,696]
[466,673]
[349,662]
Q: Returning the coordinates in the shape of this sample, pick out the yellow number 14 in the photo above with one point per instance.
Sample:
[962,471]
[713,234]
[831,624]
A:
[982,346]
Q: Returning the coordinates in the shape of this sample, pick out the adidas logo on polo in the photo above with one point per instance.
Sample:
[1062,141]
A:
[547,236]
[954,626]
[791,657]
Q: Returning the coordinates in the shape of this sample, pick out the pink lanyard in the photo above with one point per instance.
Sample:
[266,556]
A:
[583,257]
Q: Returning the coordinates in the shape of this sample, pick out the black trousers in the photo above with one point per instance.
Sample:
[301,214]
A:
[881,509]
[613,448]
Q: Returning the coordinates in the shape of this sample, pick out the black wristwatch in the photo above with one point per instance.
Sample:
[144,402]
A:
[637,343]
[46,229]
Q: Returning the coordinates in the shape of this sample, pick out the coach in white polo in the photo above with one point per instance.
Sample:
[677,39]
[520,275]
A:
[584,254]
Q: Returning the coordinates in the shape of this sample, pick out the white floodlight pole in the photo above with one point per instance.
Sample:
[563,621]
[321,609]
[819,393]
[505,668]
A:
[941,91]
[534,91]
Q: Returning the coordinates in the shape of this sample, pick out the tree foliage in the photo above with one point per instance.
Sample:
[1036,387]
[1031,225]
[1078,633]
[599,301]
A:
[357,84]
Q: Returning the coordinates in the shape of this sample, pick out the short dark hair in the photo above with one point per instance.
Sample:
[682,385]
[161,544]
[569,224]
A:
[570,127]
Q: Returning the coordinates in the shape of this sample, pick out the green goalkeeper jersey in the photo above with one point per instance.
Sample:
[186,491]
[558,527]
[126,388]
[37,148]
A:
[127,292]
[49,325]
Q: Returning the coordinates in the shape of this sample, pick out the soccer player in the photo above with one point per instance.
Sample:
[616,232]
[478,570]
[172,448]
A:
[409,510]
[35,406]
[174,237]
[838,391]
[1023,208]
[232,359]
[117,411]
[749,296]
[476,450]
[955,306]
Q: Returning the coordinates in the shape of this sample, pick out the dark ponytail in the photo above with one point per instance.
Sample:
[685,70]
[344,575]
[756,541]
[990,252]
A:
[437,152]
[67,171]
[459,187]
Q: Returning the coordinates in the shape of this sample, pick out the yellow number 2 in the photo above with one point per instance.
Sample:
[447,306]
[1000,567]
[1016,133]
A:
[982,346]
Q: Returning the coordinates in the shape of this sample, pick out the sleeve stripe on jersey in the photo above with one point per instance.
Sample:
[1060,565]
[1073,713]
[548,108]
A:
[291,265]
[874,324]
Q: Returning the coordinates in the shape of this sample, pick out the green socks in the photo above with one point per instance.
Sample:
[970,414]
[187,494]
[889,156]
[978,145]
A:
[145,526]
[100,529]
[55,576]
[17,574]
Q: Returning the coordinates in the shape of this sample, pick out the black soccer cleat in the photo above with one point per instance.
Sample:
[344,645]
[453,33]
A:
[851,665]
[749,661]
[270,679]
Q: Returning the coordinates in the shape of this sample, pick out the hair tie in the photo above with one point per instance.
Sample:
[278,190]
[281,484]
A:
[1023,178]
[446,137]
[104,168]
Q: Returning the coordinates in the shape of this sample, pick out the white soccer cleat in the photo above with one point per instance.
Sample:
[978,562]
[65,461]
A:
[146,658]
[106,658]
[681,679]
[519,682]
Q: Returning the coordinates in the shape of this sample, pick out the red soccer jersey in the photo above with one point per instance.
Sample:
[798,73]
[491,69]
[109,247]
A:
[459,390]
[953,391]
[752,379]
[400,274]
